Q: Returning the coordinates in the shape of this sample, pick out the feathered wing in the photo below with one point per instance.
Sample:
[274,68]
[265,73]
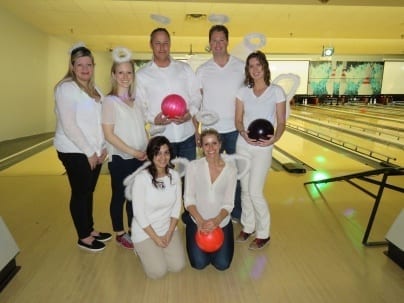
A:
[289,83]
[129,180]
[242,163]
[180,165]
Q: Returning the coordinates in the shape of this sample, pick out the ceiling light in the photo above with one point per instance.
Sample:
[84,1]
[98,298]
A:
[328,51]
[195,17]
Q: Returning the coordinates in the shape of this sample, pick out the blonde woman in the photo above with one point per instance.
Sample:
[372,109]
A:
[124,131]
[79,142]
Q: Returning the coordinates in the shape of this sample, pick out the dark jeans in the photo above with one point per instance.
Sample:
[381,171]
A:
[119,169]
[82,183]
[229,146]
[199,259]
[185,149]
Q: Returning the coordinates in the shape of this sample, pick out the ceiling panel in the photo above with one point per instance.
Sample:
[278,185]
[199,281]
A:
[290,26]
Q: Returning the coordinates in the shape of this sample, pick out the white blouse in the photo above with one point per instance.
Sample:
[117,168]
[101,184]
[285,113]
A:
[154,206]
[78,128]
[128,123]
[209,198]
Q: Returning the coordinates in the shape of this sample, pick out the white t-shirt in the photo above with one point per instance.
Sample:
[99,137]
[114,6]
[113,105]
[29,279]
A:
[128,125]
[154,83]
[263,107]
[209,198]
[219,86]
[78,128]
[154,206]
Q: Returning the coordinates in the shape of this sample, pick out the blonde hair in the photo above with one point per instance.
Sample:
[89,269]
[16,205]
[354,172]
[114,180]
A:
[76,53]
[114,83]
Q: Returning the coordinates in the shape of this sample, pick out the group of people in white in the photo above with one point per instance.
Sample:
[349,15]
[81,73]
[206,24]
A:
[144,179]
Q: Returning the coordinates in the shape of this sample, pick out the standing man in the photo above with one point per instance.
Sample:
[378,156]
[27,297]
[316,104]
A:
[220,79]
[163,76]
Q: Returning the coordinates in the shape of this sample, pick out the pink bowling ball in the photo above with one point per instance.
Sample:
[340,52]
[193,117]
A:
[173,106]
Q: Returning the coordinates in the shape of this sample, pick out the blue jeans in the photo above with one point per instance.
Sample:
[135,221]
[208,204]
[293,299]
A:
[119,169]
[185,149]
[229,146]
[199,259]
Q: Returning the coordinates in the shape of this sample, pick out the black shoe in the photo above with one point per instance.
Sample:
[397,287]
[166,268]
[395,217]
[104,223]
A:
[103,237]
[94,246]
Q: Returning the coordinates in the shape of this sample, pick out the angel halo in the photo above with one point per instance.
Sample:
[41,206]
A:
[76,46]
[121,54]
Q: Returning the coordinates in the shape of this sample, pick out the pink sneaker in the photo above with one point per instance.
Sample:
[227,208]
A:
[125,241]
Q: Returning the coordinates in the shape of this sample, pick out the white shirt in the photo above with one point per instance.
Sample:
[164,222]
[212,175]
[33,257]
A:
[154,206]
[154,83]
[78,128]
[263,107]
[209,198]
[128,125]
[220,85]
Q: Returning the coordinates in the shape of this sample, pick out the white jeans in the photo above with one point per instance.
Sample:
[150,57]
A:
[255,214]
[158,261]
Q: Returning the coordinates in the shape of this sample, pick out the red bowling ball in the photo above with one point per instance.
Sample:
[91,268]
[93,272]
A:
[210,241]
[260,129]
[173,106]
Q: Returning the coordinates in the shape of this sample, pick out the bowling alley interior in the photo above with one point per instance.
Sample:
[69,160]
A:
[334,190]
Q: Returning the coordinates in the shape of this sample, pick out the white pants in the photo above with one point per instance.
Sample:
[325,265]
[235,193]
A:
[255,214]
[158,261]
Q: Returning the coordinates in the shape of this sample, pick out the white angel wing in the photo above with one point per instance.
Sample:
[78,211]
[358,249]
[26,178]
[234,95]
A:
[289,83]
[180,165]
[243,163]
[129,180]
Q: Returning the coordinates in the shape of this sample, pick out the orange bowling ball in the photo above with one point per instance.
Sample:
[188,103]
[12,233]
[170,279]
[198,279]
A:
[210,241]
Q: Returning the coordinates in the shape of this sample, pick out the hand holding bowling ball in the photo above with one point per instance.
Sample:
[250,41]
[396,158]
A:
[209,241]
[259,129]
[173,106]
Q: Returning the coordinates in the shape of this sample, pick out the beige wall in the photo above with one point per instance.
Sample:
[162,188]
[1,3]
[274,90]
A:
[32,63]
[23,78]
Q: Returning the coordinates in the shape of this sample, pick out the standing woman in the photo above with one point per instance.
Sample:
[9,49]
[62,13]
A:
[123,126]
[210,184]
[79,142]
[258,99]
[157,189]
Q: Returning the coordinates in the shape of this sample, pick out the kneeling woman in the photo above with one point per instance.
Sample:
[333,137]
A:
[210,184]
[157,188]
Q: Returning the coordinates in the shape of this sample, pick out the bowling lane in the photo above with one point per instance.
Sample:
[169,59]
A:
[383,120]
[45,162]
[318,156]
[381,151]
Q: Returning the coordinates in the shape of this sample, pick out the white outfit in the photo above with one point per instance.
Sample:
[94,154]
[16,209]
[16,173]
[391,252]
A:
[154,206]
[128,125]
[255,215]
[78,128]
[209,198]
[219,86]
[154,83]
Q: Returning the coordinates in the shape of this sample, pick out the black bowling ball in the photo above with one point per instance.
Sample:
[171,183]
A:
[260,129]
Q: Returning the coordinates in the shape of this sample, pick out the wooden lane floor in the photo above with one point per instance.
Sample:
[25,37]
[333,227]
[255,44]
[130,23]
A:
[44,162]
[378,145]
[315,254]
